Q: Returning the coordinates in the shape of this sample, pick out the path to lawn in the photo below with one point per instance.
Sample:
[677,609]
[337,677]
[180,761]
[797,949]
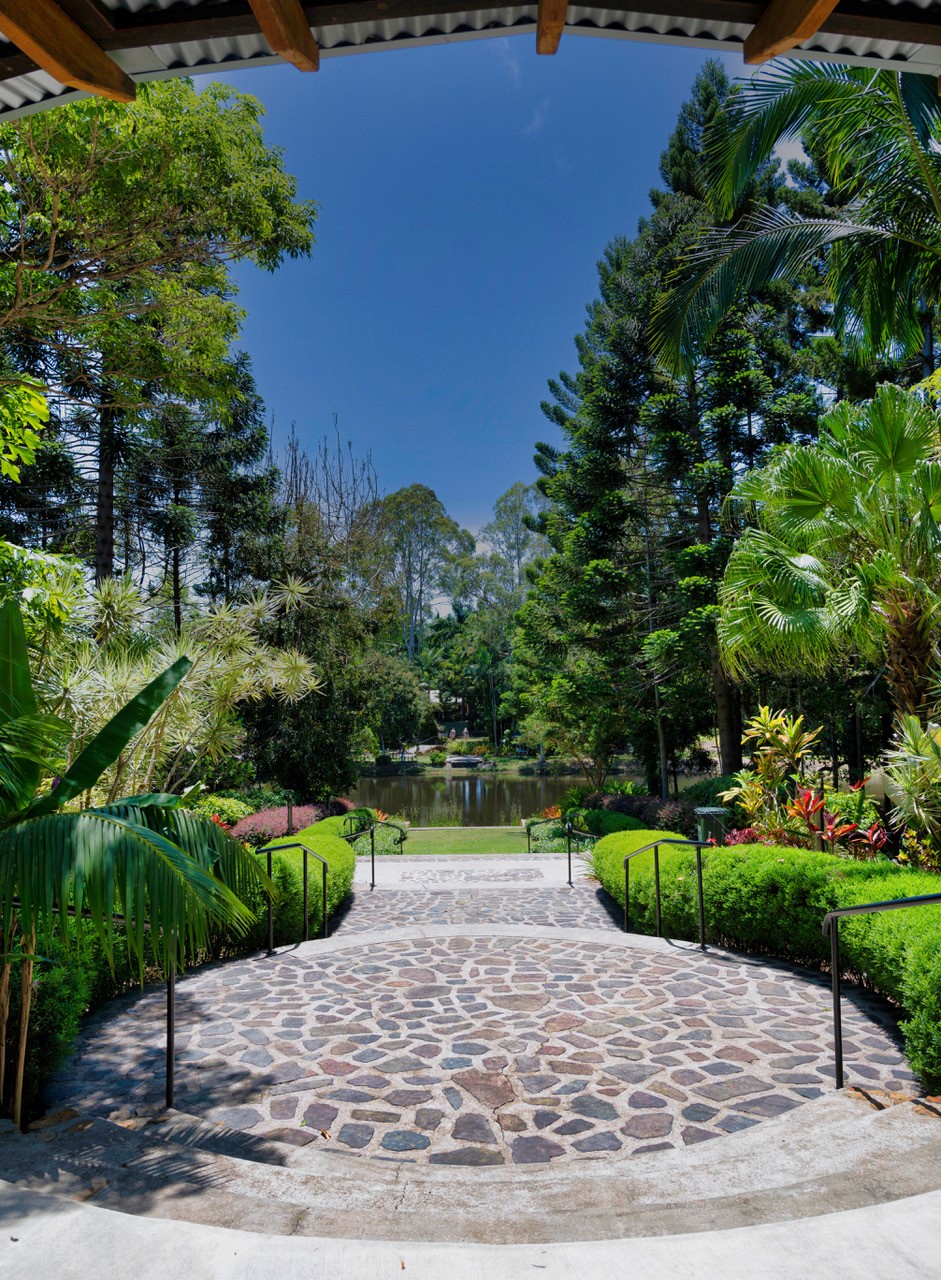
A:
[451,840]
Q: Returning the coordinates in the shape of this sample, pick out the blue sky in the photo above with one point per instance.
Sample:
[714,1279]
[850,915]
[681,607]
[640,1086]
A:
[466,193]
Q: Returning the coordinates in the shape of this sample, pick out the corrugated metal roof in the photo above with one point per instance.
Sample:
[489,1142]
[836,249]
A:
[695,26]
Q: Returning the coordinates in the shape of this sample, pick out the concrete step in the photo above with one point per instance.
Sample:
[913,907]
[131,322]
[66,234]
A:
[834,1154]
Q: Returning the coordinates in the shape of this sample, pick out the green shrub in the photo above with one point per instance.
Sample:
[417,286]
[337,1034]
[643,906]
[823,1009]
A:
[772,900]
[602,823]
[383,758]
[325,839]
[436,759]
[707,792]
[263,796]
[226,808]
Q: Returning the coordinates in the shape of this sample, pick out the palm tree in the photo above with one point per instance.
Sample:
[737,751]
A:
[170,873]
[844,560]
[878,137]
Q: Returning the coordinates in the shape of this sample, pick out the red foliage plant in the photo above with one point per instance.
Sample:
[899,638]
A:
[271,824]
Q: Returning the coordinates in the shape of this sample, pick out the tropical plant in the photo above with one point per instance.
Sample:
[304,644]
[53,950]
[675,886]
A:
[116,642]
[913,775]
[171,874]
[875,136]
[843,561]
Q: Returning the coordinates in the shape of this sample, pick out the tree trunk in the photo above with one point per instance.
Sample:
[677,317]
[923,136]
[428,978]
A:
[662,750]
[177,601]
[104,505]
[910,655]
[6,944]
[728,717]
[854,753]
[26,999]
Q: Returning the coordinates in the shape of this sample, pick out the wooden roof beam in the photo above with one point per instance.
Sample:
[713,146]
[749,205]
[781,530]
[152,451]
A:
[784,25]
[550,21]
[59,45]
[285,28]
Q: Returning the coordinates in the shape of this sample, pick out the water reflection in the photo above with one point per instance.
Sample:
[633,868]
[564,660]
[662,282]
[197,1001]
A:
[478,800]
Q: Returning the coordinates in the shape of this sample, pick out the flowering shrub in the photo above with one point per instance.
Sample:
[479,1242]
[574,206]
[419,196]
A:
[271,824]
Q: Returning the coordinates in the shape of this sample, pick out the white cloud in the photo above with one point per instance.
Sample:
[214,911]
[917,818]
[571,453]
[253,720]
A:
[509,60]
[537,121]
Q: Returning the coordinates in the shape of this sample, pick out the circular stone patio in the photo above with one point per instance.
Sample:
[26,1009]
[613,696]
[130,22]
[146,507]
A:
[458,1045]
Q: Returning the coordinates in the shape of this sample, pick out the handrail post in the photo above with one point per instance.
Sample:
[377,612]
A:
[372,855]
[702,909]
[306,913]
[529,840]
[324,870]
[837,1011]
[171,1025]
[270,913]
[568,844]
[656,882]
[627,881]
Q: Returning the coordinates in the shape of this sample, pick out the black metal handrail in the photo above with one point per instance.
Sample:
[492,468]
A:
[698,845]
[371,831]
[831,925]
[571,831]
[269,849]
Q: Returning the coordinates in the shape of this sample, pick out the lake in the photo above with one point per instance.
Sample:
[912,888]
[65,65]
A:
[478,800]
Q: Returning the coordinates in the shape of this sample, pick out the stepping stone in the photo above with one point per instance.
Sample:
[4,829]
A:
[401,1065]
[488,1087]
[572,1126]
[284,1108]
[240,1117]
[356,1135]
[466,1156]
[698,1111]
[542,1119]
[642,1100]
[733,1087]
[403,1140]
[772,1105]
[320,1116]
[535,1150]
[428,1118]
[377,1117]
[511,1123]
[473,1128]
[654,1125]
[407,1097]
[598,1142]
[597,1108]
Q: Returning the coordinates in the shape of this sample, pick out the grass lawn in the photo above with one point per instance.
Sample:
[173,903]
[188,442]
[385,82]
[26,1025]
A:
[465,840]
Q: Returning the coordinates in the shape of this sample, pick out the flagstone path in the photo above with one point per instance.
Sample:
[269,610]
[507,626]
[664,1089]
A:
[460,1025]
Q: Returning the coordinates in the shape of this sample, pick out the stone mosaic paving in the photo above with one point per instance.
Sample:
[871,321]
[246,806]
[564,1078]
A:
[516,875]
[486,1050]
[583,907]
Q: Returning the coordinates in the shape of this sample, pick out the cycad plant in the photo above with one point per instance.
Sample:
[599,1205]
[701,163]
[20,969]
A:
[877,138]
[171,874]
[843,560]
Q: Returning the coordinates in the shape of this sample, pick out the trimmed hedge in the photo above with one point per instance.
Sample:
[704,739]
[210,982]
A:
[772,900]
[602,823]
[287,872]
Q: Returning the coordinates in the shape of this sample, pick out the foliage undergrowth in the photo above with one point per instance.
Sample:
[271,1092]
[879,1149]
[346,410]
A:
[78,980]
